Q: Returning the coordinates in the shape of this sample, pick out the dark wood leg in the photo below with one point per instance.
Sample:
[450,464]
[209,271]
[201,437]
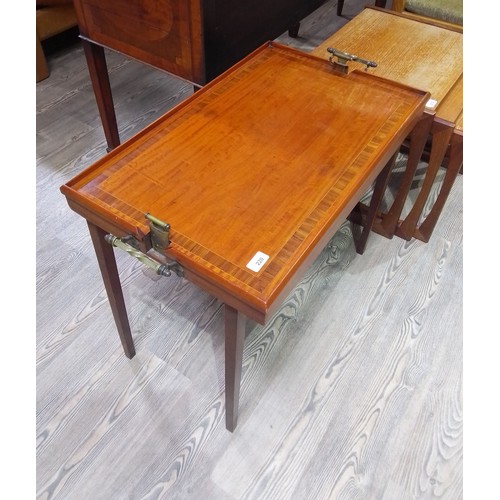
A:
[293,31]
[441,137]
[107,264]
[418,137]
[455,162]
[377,196]
[380,3]
[234,324]
[98,70]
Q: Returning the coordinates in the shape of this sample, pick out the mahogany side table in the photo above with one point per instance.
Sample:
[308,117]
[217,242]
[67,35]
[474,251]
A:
[240,201]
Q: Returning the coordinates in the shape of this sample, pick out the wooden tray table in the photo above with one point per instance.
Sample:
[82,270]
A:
[247,181]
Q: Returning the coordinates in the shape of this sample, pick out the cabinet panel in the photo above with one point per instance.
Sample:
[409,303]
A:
[162,33]
[194,39]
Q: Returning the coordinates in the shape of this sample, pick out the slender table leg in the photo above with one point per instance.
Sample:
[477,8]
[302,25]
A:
[235,338]
[377,196]
[98,70]
[107,264]
[455,162]
[418,138]
[293,31]
[441,137]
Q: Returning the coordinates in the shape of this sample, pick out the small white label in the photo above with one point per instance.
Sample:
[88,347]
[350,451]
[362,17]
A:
[257,261]
[431,104]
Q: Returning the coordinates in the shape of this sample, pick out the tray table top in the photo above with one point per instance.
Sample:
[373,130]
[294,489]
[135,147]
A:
[254,172]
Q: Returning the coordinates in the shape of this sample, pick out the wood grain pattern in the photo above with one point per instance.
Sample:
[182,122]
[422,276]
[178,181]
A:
[352,391]
[160,34]
[220,164]
[383,37]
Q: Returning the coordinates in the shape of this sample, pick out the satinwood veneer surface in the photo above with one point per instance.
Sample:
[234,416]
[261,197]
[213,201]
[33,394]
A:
[270,157]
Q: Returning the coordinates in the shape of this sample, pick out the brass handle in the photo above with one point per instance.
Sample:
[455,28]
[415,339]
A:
[161,269]
[343,57]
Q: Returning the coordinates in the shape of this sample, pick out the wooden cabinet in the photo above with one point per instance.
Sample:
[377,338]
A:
[193,39]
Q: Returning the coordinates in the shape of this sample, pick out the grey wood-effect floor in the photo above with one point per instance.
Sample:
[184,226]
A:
[353,390]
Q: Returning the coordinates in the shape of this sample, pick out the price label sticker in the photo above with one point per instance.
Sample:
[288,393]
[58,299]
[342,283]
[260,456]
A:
[257,261]
[431,104]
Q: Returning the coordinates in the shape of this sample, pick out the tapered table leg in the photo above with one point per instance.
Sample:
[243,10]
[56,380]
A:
[107,264]
[293,31]
[98,70]
[234,324]
[377,196]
